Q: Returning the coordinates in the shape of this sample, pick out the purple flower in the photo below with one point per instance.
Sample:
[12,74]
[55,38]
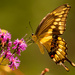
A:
[18,52]
[5,40]
[9,45]
[7,54]
[5,35]
[20,45]
[8,36]
[5,46]
[14,62]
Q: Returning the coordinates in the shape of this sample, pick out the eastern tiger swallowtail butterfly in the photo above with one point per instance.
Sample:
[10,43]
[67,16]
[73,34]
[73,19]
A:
[47,35]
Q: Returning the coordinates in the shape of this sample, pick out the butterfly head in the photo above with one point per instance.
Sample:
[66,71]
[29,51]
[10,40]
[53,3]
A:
[32,34]
[34,38]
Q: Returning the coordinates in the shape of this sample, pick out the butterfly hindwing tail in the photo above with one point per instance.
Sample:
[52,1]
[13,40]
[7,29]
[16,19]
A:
[58,51]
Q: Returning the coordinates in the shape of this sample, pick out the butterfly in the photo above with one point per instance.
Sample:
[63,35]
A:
[48,35]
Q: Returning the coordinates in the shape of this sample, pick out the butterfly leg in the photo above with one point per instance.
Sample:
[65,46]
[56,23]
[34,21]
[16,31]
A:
[29,42]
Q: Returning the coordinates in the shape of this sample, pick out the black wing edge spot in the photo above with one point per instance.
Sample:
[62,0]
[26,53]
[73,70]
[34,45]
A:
[66,5]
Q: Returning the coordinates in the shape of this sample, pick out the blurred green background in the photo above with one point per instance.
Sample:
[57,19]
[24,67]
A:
[15,16]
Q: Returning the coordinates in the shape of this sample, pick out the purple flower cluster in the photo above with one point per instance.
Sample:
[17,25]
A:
[5,40]
[5,47]
[20,45]
[7,54]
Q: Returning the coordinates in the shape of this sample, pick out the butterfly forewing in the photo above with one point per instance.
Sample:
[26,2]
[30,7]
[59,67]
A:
[54,22]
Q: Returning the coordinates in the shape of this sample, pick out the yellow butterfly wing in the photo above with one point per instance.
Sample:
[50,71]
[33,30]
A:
[54,21]
[53,24]
[47,35]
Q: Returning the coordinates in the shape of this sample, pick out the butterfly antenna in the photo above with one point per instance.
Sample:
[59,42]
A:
[24,35]
[29,40]
[31,27]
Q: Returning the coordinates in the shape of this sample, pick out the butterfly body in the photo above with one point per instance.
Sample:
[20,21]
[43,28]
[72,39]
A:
[36,40]
[48,35]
